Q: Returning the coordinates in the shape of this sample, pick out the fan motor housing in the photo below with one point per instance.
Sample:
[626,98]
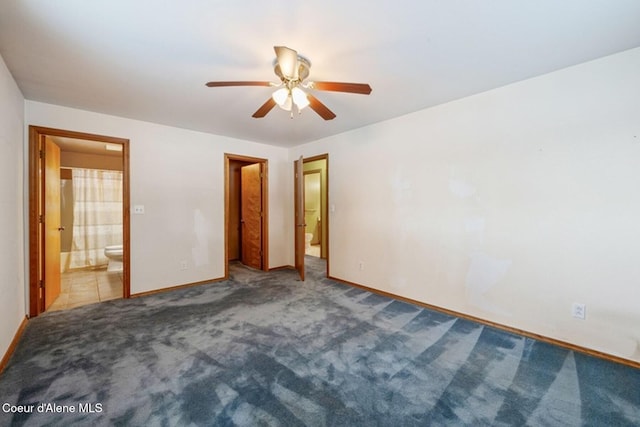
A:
[303,68]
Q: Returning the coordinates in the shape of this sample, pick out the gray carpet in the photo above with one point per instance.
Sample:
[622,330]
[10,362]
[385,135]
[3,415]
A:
[267,349]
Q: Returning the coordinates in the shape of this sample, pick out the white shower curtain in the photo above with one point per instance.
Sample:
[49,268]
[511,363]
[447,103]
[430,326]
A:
[97,215]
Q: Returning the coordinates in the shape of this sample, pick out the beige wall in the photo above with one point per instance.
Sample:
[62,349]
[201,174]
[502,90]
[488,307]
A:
[12,232]
[90,161]
[509,205]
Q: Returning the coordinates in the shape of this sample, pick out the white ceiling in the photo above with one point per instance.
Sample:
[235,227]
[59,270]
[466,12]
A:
[149,59]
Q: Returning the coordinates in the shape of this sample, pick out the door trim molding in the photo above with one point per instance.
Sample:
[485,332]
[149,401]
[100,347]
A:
[265,207]
[36,193]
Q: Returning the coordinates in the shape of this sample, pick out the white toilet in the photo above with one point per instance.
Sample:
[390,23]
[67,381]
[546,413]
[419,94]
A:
[308,237]
[114,253]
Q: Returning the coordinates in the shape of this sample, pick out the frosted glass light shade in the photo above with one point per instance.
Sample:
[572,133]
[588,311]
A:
[299,98]
[287,104]
[280,96]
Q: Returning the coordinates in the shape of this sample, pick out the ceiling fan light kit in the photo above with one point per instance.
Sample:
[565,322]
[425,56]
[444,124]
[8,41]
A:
[286,98]
[293,69]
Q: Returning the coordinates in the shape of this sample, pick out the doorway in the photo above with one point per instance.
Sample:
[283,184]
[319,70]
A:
[47,221]
[246,212]
[311,210]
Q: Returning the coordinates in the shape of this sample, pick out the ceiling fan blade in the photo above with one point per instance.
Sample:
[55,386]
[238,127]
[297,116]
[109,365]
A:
[287,61]
[320,108]
[223,84]
[266,107]
[361,88]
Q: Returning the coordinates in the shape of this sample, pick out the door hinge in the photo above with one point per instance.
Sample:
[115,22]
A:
[41,219]
[41,284]
[41,154]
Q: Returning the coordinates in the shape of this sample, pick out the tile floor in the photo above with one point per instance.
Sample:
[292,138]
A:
[84,287]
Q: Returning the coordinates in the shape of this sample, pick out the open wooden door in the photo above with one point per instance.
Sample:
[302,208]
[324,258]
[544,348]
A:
[251,215]
[52,222]
[298,195]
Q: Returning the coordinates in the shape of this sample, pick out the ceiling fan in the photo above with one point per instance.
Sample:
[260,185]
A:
[293,69]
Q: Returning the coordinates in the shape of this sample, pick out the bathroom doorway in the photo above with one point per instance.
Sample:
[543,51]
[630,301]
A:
[316,208]
[60,162]
[316,205]
[246,213]
[313,212]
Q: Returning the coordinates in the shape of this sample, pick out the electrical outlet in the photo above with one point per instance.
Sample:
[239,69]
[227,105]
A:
[183,265]
[361,265]
[579,310]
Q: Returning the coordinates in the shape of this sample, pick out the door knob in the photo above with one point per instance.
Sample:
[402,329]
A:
[60,228]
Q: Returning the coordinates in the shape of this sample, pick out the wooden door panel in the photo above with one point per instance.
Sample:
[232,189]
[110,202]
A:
[234,212]
[51,222]
[251,215]
[298,196]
